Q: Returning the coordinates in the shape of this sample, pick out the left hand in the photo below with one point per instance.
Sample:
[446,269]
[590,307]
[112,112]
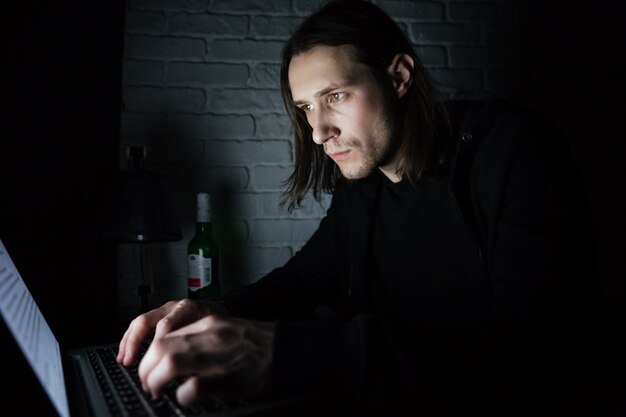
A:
[218,354]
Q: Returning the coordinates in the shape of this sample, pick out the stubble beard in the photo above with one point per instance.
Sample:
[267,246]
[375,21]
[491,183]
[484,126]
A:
[381,150]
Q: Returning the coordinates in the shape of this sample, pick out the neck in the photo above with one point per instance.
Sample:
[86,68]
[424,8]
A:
[391,174]
[391,170]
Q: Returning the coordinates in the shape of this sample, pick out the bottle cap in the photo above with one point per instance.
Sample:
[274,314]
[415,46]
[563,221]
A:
[203,207]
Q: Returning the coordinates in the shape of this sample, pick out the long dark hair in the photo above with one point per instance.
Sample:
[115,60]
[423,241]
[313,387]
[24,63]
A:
[375,40]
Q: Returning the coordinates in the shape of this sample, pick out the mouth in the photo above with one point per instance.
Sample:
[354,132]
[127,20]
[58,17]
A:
[339,156]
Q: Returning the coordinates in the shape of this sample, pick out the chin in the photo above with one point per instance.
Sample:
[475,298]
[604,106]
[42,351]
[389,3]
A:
[356,173]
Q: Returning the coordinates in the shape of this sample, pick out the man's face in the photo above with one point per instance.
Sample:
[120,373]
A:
[345,108]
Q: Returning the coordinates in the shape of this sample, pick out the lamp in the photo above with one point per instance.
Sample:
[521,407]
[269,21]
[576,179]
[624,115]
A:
[140,209]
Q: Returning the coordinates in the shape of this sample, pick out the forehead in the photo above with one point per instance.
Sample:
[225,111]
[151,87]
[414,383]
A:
[321,67]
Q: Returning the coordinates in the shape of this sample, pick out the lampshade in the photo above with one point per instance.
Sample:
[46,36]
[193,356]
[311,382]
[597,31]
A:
[140,208]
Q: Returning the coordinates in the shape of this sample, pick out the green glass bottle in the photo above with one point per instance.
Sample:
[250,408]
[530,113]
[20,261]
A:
[203,281]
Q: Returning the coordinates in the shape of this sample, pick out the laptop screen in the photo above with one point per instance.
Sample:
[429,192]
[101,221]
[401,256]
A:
[31,332]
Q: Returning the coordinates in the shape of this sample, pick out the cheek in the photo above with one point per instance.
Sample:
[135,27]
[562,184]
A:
[363,118]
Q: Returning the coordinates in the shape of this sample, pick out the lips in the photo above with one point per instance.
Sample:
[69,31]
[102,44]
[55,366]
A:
[339,156]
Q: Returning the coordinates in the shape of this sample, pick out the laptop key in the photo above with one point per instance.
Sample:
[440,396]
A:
[162,408]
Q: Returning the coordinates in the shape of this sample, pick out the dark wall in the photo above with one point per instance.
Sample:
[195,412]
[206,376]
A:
[59,147]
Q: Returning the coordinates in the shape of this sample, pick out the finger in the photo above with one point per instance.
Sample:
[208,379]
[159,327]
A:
[121,352]
[162,352]
[198,389]
[197,326]
[161,373]
[169,357]
[180,314]
[160,370]
[138,330]
[188,393]
[136,333]
[149,361]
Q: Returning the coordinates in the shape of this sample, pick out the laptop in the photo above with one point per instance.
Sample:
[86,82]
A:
[88,381]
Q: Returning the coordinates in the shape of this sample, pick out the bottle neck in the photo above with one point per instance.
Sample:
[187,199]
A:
[203,228]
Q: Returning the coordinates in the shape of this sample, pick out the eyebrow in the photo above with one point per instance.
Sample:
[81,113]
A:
[326,90]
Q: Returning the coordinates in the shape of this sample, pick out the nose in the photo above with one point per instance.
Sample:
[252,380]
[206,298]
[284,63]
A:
[323,128]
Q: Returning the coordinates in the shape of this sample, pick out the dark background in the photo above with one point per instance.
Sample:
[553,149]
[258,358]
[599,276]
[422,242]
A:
[59,147]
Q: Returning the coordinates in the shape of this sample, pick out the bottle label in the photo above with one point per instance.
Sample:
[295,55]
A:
[199,272]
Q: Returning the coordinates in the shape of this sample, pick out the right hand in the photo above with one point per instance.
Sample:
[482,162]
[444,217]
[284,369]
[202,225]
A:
[163,320]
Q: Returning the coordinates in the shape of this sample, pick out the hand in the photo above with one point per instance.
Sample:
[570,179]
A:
[217,355]
[163,320]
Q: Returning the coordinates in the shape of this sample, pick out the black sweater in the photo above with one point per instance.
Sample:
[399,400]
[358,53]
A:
[473,305]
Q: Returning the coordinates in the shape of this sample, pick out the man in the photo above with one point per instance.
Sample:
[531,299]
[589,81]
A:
[449,273]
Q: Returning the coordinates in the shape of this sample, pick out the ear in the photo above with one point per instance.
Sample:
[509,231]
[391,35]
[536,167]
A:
[401,72]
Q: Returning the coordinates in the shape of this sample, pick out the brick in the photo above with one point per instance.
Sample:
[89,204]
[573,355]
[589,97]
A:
[310,208]
[268,205]
[142,124]
[466,57]
[145,22]
[188,5]
[267,151]
[142,72]
[213,126]
[247,264]
[138,140]
[151,99]
[251,6]
[277,126]
[269,178]
[223,178]
[505,2]
[206,24]
[283,231]
[142,46]
[229,231]
[246,100]
[265,75]
[234,204]
[480,12]
[428,11]
[305,7]
[190,177]
[179,151]
[444,33]
[273,27]
[433,56]
[257,205]
[246,50]
[208,74]
[457,78]
[248,152]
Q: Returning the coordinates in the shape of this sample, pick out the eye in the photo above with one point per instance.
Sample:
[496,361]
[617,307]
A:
[334,97]
[306,107]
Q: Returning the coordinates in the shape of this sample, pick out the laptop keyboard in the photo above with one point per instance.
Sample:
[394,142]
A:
[125,397]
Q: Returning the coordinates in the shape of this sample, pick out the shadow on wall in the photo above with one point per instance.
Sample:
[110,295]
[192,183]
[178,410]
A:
[192,166]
